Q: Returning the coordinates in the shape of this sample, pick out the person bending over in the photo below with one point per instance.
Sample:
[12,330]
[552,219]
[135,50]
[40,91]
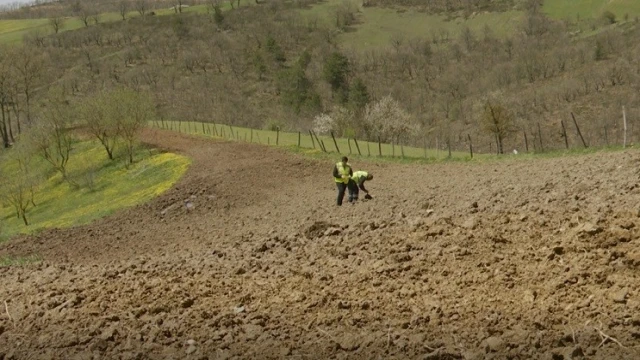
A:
[357,183]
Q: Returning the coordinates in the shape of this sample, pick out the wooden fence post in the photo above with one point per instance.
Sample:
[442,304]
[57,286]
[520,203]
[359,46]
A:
[606,137]
[277,135]
[335,142]
[624,123]
[424,145]
[298,139]
[321,144]
[564,134]
[379,147]
[470,145]
[251,135]
[357,146]
[526,141]
[584,143]
[312,141]
[540,138]
[368,150]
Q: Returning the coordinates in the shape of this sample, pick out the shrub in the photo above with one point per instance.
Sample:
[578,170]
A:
[609,17]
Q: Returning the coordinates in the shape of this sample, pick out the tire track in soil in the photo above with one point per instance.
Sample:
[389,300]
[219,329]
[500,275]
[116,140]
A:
[517,259]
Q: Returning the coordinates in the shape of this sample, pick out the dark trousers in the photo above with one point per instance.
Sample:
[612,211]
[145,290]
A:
[342,187]
[353,191]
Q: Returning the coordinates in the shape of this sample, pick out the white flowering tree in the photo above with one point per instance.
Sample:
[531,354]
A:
[339,120]
[323,124]
[386,118]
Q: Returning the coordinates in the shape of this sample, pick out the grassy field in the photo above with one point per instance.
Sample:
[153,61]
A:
[106,186]
[584,9]
[377,26]
[307,145]
[13,31]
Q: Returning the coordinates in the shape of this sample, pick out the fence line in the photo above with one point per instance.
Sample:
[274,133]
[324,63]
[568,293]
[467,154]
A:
[311,142]
[549,139]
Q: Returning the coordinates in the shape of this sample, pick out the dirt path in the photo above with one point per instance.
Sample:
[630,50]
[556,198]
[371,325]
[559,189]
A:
[457,261]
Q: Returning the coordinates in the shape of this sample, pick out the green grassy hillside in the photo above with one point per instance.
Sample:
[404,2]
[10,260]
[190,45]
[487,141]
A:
[376,27]
[13,31]
[571,9]
[106,186]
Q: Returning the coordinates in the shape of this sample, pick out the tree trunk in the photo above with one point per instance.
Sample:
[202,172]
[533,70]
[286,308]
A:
[18,122]
[3,129]
[27,95]
[13,139]
[130,148]
[24,218]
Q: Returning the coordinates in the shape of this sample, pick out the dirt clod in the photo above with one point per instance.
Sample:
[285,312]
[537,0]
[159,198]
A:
[620,296]
[318,229]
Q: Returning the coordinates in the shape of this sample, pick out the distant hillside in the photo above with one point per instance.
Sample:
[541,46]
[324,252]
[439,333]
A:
[283,63]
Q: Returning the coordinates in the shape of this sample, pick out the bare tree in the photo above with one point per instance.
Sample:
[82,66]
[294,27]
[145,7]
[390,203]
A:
[178,6]
[99,114]
[497,120]
[84,16]
[29,66]
[57,23]
[134,110]
[123,9]
[18,187]
[141,7]
[51,137]
[6,97]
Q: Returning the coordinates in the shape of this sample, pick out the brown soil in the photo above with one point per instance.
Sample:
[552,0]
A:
[513,259]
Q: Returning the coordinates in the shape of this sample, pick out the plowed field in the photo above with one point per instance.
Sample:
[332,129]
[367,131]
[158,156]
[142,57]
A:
[517,259]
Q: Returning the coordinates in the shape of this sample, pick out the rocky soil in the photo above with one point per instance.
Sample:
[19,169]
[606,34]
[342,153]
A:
[516,259]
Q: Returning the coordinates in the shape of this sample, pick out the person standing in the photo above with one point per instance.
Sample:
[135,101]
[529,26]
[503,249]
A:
[342,173]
